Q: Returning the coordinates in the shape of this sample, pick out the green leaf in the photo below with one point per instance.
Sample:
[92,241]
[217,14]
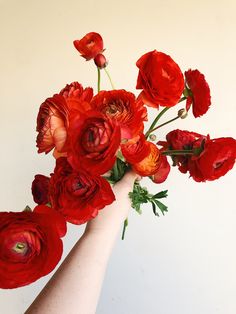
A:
[154,209]
[162,207]
[161,194]
[140,195]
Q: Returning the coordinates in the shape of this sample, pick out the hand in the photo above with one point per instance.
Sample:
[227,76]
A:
[112,216]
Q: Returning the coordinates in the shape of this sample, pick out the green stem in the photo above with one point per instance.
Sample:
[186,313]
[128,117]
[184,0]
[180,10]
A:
[99,79]
[109,77]
[156,120]
[159,116]
[159,126]
[116,172]
[124,228]
[182,99]
[178,152]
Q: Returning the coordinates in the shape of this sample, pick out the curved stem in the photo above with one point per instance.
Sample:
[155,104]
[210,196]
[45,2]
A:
[182,99]
[99,79]
[178,152]
[109,77]
[155,121]
[159,126]
[159,116]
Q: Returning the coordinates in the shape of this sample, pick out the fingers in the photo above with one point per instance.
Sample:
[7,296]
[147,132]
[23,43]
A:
[127,181]
[131,176]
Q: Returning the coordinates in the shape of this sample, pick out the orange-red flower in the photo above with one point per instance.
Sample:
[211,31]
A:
[135,149]
[124,108]
[94,141]
[52,124]
[150,164]
[77,97]
[162,171]
[160,78]
[199,93]
[90,45]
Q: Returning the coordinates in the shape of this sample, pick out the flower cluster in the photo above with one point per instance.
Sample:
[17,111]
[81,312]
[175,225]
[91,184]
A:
[95,138]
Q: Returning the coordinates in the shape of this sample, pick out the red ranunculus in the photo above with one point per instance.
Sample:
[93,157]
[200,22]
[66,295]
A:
[78,196]
[213,157]
[183,140]
[162,172]
[77,97]
[52,124]
[160,78]
[199,93]
[135,149]
[216,159]
[178,139]
[95,140]
[123,107]
[150,164]
[30,245]
[90,45]
[40,189]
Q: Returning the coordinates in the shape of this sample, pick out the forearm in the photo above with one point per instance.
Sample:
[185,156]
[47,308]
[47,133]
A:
[76,285]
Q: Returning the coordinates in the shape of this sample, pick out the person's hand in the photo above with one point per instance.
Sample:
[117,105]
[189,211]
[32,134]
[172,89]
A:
[112,216]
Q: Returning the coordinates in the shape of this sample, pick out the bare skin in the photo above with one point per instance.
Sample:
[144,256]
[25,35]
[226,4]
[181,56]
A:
[76,285]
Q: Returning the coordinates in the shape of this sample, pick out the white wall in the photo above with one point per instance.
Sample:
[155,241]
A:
[183,263]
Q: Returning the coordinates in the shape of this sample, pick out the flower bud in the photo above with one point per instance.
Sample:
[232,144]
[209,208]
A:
[152,137]
[182,113]
[100,61]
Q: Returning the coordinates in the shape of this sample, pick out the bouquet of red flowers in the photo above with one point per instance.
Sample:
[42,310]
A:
[96,139]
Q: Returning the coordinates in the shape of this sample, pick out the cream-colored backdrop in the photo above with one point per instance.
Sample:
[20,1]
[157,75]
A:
[185,262]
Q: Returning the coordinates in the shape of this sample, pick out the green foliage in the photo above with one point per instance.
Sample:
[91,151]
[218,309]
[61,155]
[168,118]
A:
[118,171]
[140,195]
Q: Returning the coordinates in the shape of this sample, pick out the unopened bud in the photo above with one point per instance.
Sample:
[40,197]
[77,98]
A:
[100,61]
[27,209]
[152,137]
[182,113]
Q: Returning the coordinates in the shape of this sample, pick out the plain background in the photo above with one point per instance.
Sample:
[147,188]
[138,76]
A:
[184,262]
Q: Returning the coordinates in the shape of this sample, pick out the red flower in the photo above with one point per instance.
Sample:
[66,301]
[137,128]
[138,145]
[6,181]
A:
[122,106]
[216,159]
[183,140]
[77,97]
[40,188]
[160,78]
[52,124]
[150,164]
[135,149]
[213,158]
[90,45]
[178,139]
[78,195]
[199,93]
[95,140]
[30,245]
[162,172]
